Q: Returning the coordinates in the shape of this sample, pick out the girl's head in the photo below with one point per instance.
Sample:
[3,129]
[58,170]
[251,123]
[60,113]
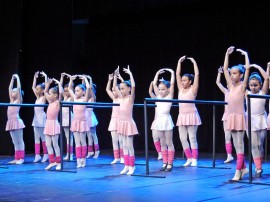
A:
[164,87]
[80,91]
[66,91]
[16,93]
[125,88]
[237,73]
[255,82]
[40,88]
[187,80]
[53,93]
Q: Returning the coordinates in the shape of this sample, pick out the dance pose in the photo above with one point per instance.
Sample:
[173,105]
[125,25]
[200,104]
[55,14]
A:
[126,125]
[228,135]
[188,118]
[162,126]
[39,118]
[236,122]
[79,125]
[52,126]
[116,138]
[258,115]
[15,124]
[66,113]
[154,133]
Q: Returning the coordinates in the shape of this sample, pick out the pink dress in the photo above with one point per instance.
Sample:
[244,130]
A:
[114,117]
[14,121]
[52,126]
[79,123]
[39,115]
[258,113]
[163,120]
[126,125]
[236,112]
[65,114]
[188,113]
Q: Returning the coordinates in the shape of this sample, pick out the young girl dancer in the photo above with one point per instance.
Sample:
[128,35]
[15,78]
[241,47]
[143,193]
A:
[116,138]
[126,125]
[79,125]
[15,124]
[228,135]
[188,118]
[258,115]
[39,118]
[93,122]
[66,112]
[52,127]
[236,112]
[154,133]
[163,125]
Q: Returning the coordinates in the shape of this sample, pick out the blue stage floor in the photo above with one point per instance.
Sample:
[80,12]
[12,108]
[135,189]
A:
[100,181]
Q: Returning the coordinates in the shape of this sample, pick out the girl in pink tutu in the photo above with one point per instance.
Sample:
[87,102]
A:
[65,119]
[15,124]
[126,125]
[116,138]
[258,115]
[39,118]
[52,127]
[228,135]
[154,133]
[79,125]
[236,121]
[188,118]
[163,125]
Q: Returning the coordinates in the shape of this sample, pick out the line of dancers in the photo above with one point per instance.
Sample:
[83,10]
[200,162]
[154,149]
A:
[122,126]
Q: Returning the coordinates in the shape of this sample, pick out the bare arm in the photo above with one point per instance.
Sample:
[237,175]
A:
[10,88]
[226,66]
[115,86]
[150,91]
[265,77]
[220,86]
[19,88]
[70,84]
[172,81]
[132,81]
[196,76]
[178,72]
[108,87]
[247,66]
[161,71]
[46,90]
[60,90]
[35,83]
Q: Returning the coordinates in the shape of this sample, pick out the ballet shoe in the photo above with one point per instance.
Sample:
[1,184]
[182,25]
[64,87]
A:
[125,170]
[71,157]
[229,159]
[66,157]
[189,161]
[121,160]
[258,173]
[131,170]
[159,156]
[96,154]
[89,154]
[115,161]
[237,175]
[169,168]
[243,172]
[21,161]
[50,166]
[58,166]
[37,158]
[79,164]
[164,167]
[13,161]
[83,162]
[45,158]
[194,162]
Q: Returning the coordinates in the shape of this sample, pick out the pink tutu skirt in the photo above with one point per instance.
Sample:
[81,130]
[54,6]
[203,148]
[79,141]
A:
[236,122]
[127,128]
[189,119]
[14,124]
[113,124]
[52,127]
[79,126]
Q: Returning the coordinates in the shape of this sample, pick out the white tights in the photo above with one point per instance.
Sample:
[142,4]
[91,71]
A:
[190,132]
[128,148]
[166,139]
[257,140]
[52,144]
[92,136]
[38,132]
[238,141]
[116,138]
[80,139]
[228,134]
[17,139]
[70,134]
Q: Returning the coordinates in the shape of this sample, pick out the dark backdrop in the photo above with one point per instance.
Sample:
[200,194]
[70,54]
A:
[93,37]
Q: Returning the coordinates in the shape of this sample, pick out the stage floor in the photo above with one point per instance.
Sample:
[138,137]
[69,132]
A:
[101,181]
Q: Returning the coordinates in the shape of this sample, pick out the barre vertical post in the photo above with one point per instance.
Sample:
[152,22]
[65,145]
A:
[249,140]
[214,136]
[146,137]
[61,136]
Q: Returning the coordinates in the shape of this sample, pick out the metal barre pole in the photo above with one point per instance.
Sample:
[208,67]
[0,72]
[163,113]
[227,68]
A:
[214,136]
[146,137]
[249,141]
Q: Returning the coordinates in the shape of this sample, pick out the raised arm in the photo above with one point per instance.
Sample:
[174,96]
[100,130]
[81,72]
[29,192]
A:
[109,87]
[220,86]
[10,88]
[247,66]
[132,81]
[178,72]
[46,90]
[19,87]
[91,95]
[70,86]
[265,77]
[45,77]
[196,76]
[172,81]
[35,83]
[60,88]
[155,82]
[226,66]
[150,91]
[115,86]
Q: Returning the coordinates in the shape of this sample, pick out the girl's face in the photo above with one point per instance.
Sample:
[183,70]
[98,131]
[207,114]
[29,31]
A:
[52,96]
[254,86]
[79,92]
[186,83]
[163,90]
[236,76]
[39,90]
[125,90]
[66,92]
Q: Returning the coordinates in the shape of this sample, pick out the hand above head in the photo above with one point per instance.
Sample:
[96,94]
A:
[254,65]
[220,69]
[50,80]
[127,70]
[55,80]
[191,59]
[36,74]
[182,59]
[169,70]
[161,71]
[230,50]
[73,77]
[241,51]
[110,77]
[43,74]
